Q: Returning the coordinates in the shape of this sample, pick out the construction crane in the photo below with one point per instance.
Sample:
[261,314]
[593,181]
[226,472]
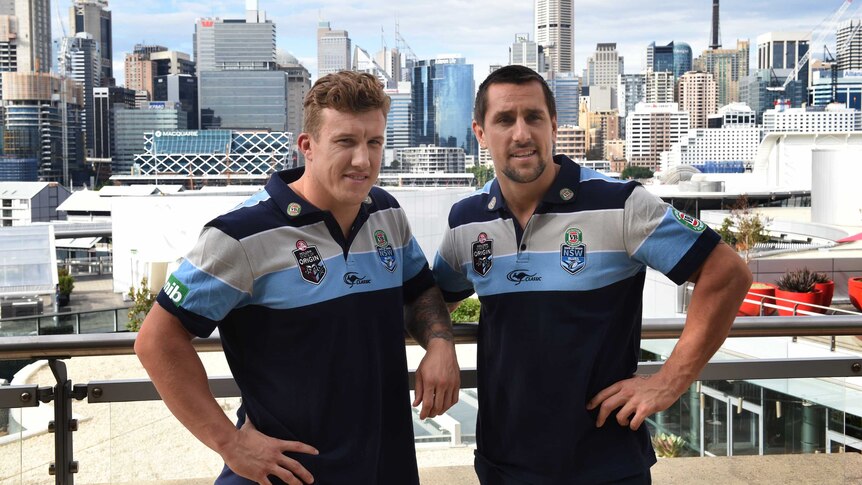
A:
[819,35]
[833,68]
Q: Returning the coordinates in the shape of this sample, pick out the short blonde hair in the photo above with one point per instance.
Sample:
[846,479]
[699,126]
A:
[345,91]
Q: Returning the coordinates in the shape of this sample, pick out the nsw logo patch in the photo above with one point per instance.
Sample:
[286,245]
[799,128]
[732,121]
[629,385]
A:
[573,251]
[483,254]
[311,266]
[688,221]
[385,251]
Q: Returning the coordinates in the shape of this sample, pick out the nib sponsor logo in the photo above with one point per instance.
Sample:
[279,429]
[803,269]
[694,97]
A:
[175,290]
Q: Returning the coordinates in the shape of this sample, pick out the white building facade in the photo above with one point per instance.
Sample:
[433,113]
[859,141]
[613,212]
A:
[652,129]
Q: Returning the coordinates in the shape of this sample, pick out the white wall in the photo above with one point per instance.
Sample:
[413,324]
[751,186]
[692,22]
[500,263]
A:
[836,176]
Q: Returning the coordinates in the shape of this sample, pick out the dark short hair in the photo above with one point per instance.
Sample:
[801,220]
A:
[510,75]
[345,91]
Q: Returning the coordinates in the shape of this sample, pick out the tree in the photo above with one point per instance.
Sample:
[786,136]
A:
[635,172]
[142,302]
[744,228]
[482,174]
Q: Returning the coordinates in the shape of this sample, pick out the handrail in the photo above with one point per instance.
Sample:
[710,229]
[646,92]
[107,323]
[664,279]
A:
[64,346]
[65,314]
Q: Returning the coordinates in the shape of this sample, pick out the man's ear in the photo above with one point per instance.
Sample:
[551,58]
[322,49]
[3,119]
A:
[303,143]
[480,135]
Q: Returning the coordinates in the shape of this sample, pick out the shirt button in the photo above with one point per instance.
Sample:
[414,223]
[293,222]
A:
[523,247]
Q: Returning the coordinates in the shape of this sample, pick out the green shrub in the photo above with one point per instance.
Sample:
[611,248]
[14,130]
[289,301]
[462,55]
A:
[65,282]
[142,300]
[467,312]
[668,445]
[797,281]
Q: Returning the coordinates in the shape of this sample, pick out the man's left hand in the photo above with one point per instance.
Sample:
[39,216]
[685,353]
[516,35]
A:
[636,398]
[438,379]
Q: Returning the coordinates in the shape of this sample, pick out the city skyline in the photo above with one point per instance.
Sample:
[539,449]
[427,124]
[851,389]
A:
[631,24]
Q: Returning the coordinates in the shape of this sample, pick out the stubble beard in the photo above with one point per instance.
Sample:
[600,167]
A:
[526,175]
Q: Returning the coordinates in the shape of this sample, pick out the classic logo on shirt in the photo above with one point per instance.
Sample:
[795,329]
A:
[352,279]
[573,251]
[385,251]
[483,254]
[175,290]
[519,276]
[688,221]
[311,266]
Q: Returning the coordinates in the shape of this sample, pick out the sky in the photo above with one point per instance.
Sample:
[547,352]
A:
[480,30]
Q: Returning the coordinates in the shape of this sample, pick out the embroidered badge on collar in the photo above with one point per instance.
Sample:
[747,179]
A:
[566,194]
[493,203]
[385,251]
[293,209]
[483,254]
[311,266]
[573,251]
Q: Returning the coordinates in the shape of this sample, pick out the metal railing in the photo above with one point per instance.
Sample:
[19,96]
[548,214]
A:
[57,347]
[100,265]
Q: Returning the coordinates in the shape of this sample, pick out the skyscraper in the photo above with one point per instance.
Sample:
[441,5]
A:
[698,96]
[604,66]
[105,101]
[567,92]
[848,47]
[93,17]
[33,39]
[674,57]
[659,87]
[398,124]
[363,62]
[298,84]
[728,67]
[333,50]
[782,50]
[525,52]
[80,60]
[631,90]
[652,129]
[442,94]
[239,83]
[555,32]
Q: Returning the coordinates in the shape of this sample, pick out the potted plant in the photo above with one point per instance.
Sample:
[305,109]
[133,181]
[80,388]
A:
[826,286]
[762,293]
[796,292]
[65,285]
[854,289]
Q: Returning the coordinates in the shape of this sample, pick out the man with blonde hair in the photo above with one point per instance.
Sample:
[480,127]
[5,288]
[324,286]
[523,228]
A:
[311,283]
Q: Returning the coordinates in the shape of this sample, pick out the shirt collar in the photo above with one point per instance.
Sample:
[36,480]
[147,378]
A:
[290,203]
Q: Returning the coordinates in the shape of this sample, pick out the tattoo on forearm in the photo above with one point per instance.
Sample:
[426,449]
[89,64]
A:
[427,318]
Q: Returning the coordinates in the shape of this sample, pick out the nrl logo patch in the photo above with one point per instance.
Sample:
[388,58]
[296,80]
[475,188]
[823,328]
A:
[688,221]
[483,254]
[573,251]
[311,266]
[385,251]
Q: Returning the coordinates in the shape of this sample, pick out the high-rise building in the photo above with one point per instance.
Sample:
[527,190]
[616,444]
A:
[431,159]
[8,45]
[652,129]
[571,142]
[555,32]
[298,85]
[675,57]
[730,148]
[526,52]
[399,132]
[781,51]
[181,89]
[239,84]
[333,50]
[682,59]
[567,92]
[599,126]
[753,90]
[139,69]
[442,94]
[390,61]
[659,87]
[94,18]
[42,125]
[848,46]
[80,60]
[848,89]
[698,96]
[363,62]
[631,90]
[130,126]
[728,67]
[33,33]
[604,66]
[105,100]
[830,119]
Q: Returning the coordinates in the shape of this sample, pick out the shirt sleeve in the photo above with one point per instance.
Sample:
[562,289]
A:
[664,238]
[213,279]
[448,271]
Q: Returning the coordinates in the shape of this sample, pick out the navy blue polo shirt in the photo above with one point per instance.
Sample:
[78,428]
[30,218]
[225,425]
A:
[312,326]
[561,317]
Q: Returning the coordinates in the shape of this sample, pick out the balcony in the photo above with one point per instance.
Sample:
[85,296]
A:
[114,429]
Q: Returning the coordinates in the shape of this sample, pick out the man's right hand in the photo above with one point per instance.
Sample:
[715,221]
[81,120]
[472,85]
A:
[256,456]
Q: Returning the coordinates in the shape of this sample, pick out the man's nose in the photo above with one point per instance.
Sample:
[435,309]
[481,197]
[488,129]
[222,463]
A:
[521,132]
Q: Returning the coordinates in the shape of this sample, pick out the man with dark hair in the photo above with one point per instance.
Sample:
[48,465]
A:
[558,254]
[311,283]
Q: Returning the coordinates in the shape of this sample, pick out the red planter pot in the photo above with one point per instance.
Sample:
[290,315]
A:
[854,289]
[812,298]
[764,292]
[827,289]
